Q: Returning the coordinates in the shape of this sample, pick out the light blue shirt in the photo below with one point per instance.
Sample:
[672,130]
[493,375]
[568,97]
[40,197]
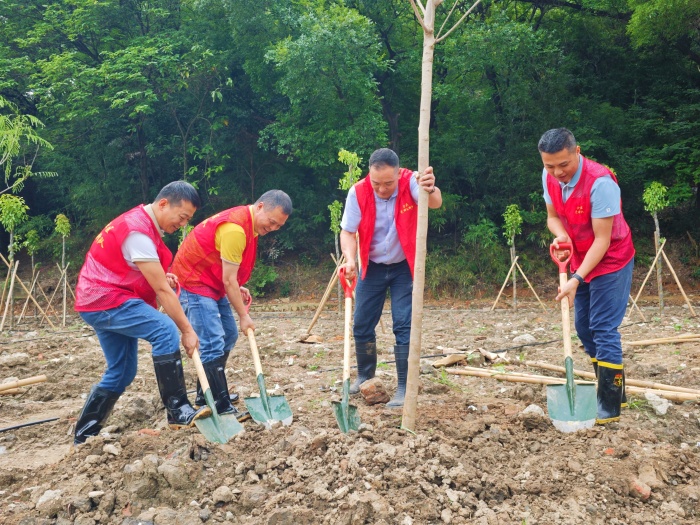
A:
[605,193]
[385,247]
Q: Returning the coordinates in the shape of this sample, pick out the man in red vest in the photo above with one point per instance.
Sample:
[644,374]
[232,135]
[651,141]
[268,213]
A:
[584,209]
[123,275]
[213,264]
[381,210]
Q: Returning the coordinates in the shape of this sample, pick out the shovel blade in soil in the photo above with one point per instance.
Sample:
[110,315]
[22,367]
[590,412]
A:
[585,407]
[217,428]
[268,410]
[347,416]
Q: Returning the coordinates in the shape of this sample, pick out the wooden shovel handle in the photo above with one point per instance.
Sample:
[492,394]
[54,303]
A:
[22,382]
[254,351]
[565,317]
[201,374]
[346,339]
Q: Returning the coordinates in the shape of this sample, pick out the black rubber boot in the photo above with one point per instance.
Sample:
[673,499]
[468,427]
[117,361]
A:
[610,384]
[98,406]
[401,355]
[171,383]
[366,354]
[216,375]
[199,401]
[624,403]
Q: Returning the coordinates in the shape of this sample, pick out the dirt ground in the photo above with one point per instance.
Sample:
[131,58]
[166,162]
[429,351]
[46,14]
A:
[476,456]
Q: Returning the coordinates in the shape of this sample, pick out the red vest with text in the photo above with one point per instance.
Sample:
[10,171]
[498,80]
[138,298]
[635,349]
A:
[106,280]
[575,214]
[405,218]
[198,264]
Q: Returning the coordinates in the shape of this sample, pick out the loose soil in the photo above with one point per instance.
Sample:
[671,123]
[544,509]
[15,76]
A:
[475,456]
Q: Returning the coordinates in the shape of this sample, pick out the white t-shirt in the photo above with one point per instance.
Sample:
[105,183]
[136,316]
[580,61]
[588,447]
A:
[138,247]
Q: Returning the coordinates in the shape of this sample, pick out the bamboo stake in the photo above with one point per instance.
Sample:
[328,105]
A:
[663,340]
[628,381]
[651,268]
[326,294]
[634,305]
[4,288]
[26,302]
[505,281]
[545,380]
[22,382]
[29,294]
[8,303]
[47,301]
[531,288]
[11,392]
[690,306]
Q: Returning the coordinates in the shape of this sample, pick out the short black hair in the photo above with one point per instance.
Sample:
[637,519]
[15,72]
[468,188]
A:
[384,157]
[178,191]
[555,140]
[276,199]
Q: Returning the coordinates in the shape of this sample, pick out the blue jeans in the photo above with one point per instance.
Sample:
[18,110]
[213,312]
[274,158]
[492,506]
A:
[599,309]
[119,329]
[370,296]
[213,322]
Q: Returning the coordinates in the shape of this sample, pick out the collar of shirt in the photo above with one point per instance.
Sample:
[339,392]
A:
[149,210]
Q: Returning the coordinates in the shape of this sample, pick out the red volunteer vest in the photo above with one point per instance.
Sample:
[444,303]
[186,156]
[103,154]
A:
[575,214]
[405,218]
[106,280]
[198,263]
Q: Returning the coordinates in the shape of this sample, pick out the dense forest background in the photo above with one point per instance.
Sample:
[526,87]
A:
[241,96]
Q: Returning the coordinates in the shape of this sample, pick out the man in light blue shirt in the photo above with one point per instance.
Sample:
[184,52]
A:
[382,210]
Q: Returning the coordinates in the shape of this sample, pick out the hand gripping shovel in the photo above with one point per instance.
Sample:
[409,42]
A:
[345,413]
[266,409]
[571,407]
[216,428]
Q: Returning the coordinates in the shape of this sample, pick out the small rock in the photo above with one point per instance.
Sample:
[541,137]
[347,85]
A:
[112,449]
[96,494]
[446,516]
[373,392]
[640,490]
[659,404]
[49,503]
[16,359]
[524,339]
[533,409]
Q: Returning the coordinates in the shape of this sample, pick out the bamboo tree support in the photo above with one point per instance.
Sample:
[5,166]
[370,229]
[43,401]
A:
[26,302]
[661,252]
[4,288]
[326,294]
[48,307]
[61,278]
[512,266]
[634,305]
[7,263]
[678,283]
[8,304]
[22,382]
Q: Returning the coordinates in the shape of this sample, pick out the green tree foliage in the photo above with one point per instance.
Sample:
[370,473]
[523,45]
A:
[241,97]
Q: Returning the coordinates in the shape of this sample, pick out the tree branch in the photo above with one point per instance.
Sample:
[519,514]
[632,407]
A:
[443,37]
[417,13]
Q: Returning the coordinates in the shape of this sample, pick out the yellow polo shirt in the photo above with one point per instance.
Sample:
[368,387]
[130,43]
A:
[230,240]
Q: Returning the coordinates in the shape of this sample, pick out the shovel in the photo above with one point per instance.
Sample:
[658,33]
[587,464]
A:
[266,409]
[345,413]
[571,407]
[216,428]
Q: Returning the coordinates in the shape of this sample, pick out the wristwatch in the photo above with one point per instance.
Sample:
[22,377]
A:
[578,278]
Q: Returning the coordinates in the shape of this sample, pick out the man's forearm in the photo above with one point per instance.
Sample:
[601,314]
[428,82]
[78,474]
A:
[348,245]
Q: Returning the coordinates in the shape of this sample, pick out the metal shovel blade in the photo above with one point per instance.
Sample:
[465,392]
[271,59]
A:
[217,428]
[569,414]
[345,413]
[267,409]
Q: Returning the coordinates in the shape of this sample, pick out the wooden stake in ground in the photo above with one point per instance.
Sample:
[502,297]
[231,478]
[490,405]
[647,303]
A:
[516,265]
[426,18]
[8,304]
[7,263]
[662,253]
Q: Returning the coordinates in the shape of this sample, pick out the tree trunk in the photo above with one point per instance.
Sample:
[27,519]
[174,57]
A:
[657,244]
[409,408]
[512,259]
[65,278]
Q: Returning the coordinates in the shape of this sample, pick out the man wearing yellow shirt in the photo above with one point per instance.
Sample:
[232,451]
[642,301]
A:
[213,264]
